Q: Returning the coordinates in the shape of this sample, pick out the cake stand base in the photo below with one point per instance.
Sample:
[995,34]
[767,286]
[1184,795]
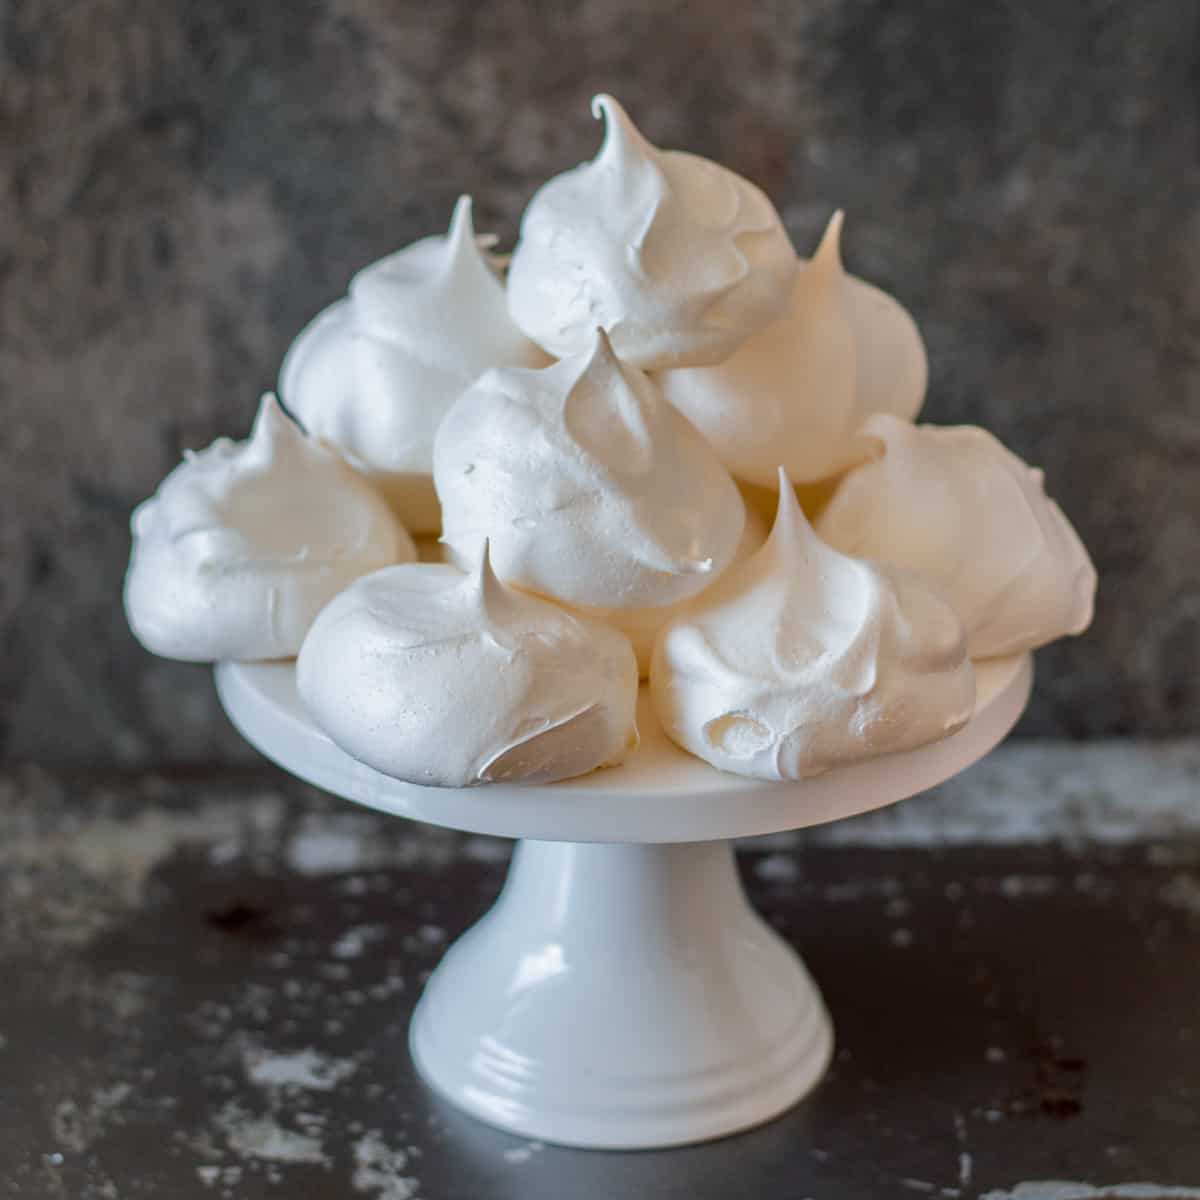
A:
[622,996]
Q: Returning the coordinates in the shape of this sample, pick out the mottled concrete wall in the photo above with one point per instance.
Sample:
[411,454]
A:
[183,184]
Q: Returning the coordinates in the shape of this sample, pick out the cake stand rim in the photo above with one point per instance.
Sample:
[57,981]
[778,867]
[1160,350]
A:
[662,795]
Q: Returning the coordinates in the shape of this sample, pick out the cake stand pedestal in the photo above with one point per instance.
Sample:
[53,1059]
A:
[621,993]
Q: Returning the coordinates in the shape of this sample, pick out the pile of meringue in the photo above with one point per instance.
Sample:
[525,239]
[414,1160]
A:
[593,440]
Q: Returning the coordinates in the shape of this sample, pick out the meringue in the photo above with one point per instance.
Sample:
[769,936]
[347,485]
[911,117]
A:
[804,659]
[643,625]
[590,487]
[676,257]
[955,505]
[797,391]
[450,679]
[375,373]
[245,542]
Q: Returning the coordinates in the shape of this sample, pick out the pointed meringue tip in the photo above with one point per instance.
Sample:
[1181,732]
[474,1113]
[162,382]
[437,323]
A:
[460,218]
[269,416]
[606,107]
[620,133]
[461,233]
[490,587]
[602,343]
[273,430]
[790,521]
[828,256]
[600,352]
[464,254]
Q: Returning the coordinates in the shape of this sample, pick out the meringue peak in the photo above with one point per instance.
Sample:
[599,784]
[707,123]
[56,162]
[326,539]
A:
[793,545]
[678,258]
[494,598]
[463,256]
[791,529]
[461,233]
[271,430]
[622,138]
[605,411]
[270,419]
[409,286]
[826,262]
[591,487]
[375,373]
[799,390]
[804,658]
[794,552]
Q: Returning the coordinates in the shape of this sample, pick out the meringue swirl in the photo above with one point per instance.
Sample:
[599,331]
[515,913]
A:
[803,659]
[954,504]
[245,542]
[451,680]
[590,487]
[797,391]
[375,373]
[677,258]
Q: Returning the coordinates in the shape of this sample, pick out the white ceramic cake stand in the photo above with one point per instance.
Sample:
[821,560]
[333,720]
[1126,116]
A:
[621,992]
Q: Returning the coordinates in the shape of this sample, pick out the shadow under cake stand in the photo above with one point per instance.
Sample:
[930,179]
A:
[621,993]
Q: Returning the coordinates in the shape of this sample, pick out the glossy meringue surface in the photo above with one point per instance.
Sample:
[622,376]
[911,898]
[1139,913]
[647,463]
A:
[376,372]
[453,679]
[803,659]
[677,258]
[955,505]
[245,542]
[797,391]
[589,486]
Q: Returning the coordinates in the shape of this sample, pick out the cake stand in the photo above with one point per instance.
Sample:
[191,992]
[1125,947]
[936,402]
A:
[621,993]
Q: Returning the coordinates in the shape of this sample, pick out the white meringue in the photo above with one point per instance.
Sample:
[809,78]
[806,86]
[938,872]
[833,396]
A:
[590,487]
[803,659]
[245,542]
[797,391]
[969,515]
[450,680]
[375,373]
[643,625]
[676,257]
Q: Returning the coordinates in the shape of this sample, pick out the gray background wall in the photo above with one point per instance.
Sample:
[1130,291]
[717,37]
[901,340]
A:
[182,184]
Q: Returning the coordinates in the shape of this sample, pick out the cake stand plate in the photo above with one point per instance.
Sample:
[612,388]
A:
[621,993]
